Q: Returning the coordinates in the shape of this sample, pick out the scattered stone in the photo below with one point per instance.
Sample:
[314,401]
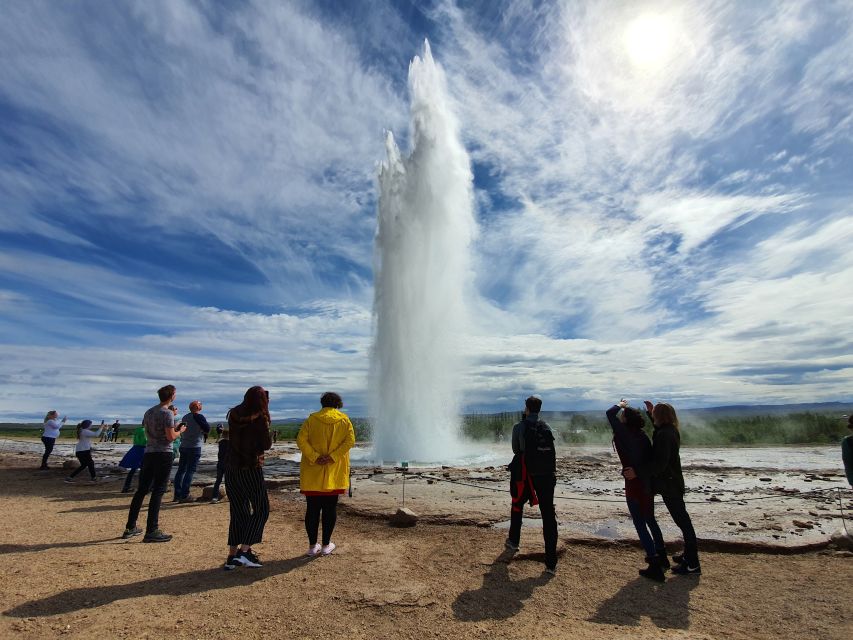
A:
[714,499]
[765,479]
[842,540]
[801,524]
[403,518]
[430,481]
[742,523]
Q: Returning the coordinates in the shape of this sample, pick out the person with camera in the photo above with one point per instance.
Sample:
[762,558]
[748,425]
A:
[533,478]
[52,425]
[83,450]
[161,431]
[635,451]
[668,481]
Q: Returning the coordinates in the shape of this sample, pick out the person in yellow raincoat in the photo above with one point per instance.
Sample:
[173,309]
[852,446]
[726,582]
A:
[325,439]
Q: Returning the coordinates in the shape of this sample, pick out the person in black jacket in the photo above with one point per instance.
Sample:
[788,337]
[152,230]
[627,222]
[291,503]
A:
[221,461]
[533,478]
[635,451]
[668,481]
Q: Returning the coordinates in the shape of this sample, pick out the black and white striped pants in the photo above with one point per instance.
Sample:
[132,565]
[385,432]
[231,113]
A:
[249,505]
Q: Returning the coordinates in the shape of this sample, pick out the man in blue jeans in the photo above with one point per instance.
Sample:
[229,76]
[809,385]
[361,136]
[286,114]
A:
[161,431]
[191,443]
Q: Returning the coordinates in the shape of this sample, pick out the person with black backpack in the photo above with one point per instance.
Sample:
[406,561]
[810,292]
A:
[533,478]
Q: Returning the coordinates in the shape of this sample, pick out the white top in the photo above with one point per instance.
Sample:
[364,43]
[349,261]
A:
[52,427]
[86,437]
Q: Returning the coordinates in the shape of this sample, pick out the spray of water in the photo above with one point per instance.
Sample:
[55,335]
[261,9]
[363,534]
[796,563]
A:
[426,224]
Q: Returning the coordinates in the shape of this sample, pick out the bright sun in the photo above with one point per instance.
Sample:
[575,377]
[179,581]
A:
[650,40]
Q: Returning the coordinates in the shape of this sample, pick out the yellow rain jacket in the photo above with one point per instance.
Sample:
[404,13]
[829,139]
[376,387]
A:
[327,432]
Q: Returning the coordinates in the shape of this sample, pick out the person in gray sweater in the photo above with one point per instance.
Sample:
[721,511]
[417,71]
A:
[191,443]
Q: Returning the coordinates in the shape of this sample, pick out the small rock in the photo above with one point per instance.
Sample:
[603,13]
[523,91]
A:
[800,524]
[714,499]
[403,518]
[742,523]
[70,464]
[207,493]
[766,479]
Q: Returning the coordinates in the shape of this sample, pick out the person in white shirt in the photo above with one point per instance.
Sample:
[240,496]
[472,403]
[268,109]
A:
[52,425]
[83,450]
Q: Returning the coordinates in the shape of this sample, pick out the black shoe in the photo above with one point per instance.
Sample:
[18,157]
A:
[248,559]
[663,561]
[653,572]
[157,536]
[685,569]
[231,563]
[678,558]
[129,533]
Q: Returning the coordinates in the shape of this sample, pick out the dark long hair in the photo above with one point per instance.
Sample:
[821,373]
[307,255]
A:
[84,424]
[256,400]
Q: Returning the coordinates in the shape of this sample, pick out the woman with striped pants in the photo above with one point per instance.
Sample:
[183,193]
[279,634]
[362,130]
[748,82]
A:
[249,429]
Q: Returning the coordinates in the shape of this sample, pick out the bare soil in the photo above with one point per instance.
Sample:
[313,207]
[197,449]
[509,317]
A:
[66,572]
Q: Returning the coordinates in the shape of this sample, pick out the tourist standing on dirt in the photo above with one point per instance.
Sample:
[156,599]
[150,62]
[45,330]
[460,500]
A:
[83,450]
[221,462]
[668,481]
[533,478]
[635,451]
[50,432]
[132,460]
[161,431]
[325,440]
[249,505]
[190,450]
[847,452]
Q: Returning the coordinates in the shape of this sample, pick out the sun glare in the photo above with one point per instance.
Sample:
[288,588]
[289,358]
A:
[649,40]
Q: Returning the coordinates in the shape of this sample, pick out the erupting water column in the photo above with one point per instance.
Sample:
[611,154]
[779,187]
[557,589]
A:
[422,274]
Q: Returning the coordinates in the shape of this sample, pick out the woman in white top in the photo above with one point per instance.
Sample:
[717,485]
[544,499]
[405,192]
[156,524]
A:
[52,425]
[83,450]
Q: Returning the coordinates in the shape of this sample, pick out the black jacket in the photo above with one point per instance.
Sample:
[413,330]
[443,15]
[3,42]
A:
[665,465]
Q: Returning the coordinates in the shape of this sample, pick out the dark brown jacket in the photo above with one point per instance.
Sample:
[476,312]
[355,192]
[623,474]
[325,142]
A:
[249,439]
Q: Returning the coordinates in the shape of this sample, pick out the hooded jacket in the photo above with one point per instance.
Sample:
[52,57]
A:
[326,432]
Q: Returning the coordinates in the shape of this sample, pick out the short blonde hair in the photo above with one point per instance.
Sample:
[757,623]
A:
[50,415]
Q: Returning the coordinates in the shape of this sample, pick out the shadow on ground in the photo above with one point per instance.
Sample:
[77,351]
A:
[500,597]
[176,585]
[667,604]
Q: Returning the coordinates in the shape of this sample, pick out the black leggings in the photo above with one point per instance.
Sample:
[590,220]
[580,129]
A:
[327,506]
[85,458]
[48,447]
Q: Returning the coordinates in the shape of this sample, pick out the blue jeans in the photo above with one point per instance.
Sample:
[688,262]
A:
[652,542]
[186,469]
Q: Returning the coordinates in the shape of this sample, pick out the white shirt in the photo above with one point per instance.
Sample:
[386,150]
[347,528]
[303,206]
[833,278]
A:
[52,427]
[86,437]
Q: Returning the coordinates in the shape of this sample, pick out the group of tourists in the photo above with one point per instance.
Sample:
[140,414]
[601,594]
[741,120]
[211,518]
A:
[324,439]
[650,466]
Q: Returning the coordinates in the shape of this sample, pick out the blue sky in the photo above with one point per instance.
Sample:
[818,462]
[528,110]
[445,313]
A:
[188,194]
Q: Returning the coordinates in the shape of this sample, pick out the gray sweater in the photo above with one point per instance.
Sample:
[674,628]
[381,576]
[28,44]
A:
[197,426]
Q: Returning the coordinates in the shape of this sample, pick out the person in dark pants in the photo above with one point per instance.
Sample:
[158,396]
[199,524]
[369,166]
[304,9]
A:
[249,506]
[161,431]
[668,481]
[83,450]
[190,451]
[635,451]
[221,461]
[533,478]
[52,425]
[325,440]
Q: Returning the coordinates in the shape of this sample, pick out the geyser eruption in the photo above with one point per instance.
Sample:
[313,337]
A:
[426,224]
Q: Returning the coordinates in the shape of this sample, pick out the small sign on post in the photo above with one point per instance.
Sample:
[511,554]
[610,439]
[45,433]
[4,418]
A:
[405,465]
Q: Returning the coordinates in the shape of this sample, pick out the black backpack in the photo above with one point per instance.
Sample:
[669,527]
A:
[539,454]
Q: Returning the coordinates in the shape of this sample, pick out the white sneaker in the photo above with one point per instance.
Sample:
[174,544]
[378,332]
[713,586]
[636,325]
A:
[327,549]
[313,550]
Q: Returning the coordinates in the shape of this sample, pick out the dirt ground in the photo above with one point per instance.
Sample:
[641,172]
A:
[67,573]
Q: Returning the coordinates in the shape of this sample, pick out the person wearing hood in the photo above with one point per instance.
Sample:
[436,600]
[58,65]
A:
[83,450]
[325,439]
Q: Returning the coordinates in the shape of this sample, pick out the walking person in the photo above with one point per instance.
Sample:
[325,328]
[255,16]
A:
[50,432]
[161,431]
[132,460]
[635,451]
[221,462]
[83,450]
[325,440]
[190,451]
[249,506]
[533,478]
[668,481]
